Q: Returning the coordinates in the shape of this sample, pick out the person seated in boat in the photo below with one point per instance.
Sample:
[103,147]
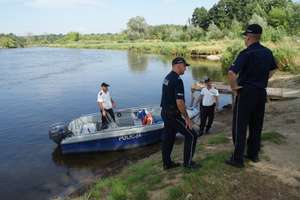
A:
[106,105]
[148,119]
[145,117]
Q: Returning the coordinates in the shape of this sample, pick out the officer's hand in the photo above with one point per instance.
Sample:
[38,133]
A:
[235,90]
[188,123]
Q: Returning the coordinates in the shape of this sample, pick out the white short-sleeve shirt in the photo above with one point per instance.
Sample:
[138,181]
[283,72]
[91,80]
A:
[209,96]
[105,99]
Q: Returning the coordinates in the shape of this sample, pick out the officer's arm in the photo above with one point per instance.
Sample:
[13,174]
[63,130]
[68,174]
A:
[235,68]
[100,104]
[232,78]
[179,95]
[181,106]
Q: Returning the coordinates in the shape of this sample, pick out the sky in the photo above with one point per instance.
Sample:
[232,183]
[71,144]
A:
[23,17]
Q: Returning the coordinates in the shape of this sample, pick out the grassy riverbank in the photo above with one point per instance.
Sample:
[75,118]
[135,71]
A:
[214,180]
[286,51]
[156,47]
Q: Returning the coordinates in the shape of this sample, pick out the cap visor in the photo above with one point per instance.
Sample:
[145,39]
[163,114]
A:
[187,64]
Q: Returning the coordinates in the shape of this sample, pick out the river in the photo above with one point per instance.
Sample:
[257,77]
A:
[41,86]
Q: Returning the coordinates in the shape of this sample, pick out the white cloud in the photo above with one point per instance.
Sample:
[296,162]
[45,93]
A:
[65,3]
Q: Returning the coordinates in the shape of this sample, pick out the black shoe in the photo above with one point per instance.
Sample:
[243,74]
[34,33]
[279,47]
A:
[200,133]
[252,158]
[235,163]
[172,165]
[207,131]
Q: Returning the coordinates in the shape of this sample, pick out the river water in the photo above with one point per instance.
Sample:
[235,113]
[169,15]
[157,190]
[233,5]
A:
[41,86]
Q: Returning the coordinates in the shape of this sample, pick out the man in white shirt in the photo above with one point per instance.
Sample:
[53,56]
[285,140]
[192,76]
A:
[209,102]
[105,103]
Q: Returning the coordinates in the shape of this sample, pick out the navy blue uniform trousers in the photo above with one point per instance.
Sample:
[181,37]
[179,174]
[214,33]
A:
[174,123]
[249,112]
[207,112]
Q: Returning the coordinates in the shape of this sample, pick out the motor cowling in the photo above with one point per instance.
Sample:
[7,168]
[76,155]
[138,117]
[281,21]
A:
[58,132]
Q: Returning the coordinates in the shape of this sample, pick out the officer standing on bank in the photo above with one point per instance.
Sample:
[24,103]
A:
[176,118]
[248,77]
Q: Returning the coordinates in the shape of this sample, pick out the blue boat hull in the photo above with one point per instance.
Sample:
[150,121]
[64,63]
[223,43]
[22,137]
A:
[114,143]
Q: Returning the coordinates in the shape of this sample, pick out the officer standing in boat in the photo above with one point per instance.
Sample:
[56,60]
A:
[105,103]
[248,77]
[176,118]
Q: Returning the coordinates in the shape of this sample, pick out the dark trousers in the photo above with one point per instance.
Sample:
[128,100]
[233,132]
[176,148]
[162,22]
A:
[207,112]
[249,112]
[105,119]
[172,125]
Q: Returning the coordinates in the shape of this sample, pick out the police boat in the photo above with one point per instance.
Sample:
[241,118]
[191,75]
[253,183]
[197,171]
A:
[133,127]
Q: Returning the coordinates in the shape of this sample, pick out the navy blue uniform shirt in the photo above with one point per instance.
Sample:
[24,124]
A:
[172,89]
[253,66]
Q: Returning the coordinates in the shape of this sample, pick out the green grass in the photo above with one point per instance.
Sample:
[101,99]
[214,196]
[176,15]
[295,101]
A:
[214,180]
[273,137]
[220,138]
[208,182]
[133,183]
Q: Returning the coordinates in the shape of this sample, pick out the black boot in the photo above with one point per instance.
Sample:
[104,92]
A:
[207,130]
[200,133]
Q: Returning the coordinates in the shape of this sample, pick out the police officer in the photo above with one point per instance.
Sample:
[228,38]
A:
[248,77]
[105,103]
[209,103]
[173,108]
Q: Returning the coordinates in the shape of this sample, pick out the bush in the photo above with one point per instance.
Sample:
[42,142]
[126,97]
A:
[214,32]
[7,42]
[286,58]
[195,33]
[235,30]
[230,55]
[72,36]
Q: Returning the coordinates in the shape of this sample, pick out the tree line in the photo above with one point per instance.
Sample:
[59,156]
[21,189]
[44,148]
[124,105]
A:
[225,19]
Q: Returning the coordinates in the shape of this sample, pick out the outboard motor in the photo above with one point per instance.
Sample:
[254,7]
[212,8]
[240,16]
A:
[58,132]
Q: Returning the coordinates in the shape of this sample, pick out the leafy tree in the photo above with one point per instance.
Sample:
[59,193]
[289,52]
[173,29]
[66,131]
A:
[256,19]
[200,18]
[137,27]
[294,19]
[278,17]
[269,33]
[236,29]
